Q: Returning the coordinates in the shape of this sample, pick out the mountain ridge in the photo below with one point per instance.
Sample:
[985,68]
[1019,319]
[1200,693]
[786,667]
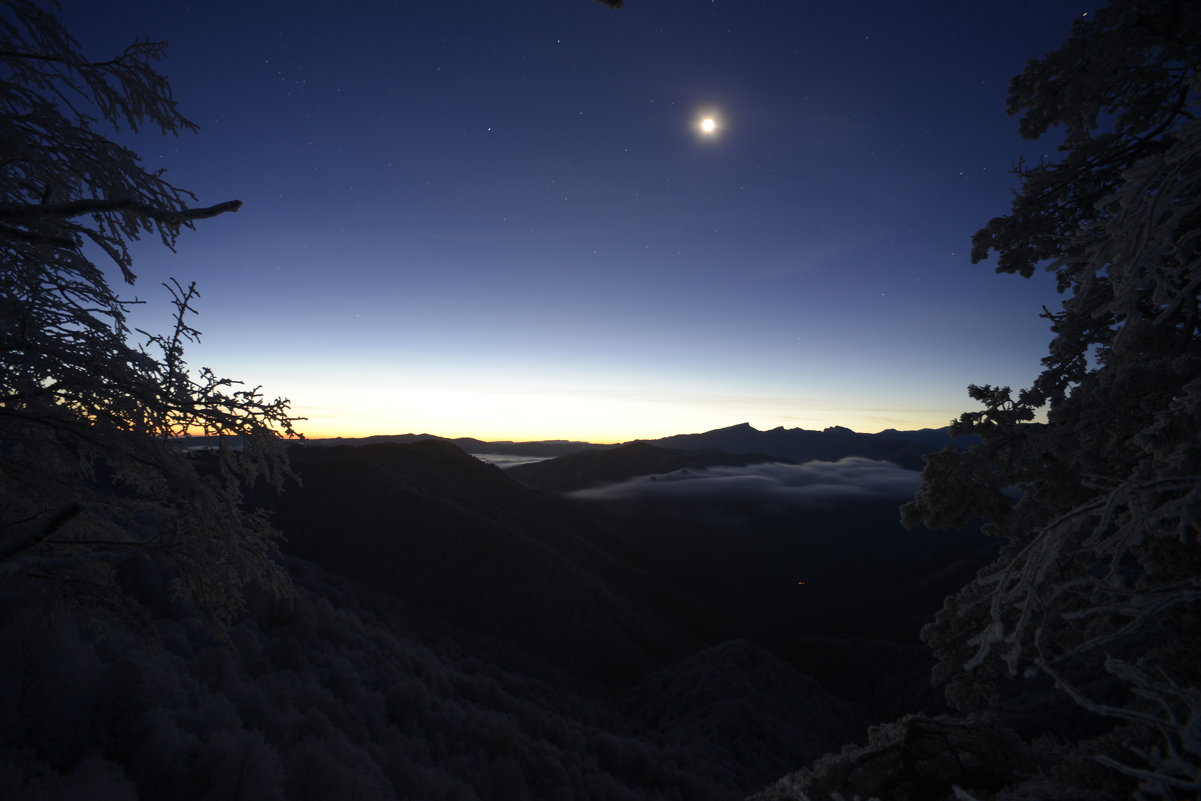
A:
[904,448]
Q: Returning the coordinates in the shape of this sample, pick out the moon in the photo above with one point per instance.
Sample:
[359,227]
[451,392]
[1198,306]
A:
[708,123]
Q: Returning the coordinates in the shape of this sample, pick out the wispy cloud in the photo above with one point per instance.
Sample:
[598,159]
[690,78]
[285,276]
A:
[768,486]
[504,460]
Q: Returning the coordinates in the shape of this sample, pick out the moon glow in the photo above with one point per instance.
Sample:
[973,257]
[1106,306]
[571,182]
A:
[708,123]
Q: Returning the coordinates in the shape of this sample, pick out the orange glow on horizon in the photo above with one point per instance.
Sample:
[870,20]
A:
[599,436]
[544,410]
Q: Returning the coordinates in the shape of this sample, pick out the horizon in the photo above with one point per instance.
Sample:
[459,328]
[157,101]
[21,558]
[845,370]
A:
[500,440]
[620,431]
[477,219]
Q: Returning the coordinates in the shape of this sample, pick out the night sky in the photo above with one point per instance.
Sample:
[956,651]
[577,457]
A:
[502,220]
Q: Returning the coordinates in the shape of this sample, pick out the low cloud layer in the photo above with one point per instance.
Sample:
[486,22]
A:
[770,486]
[504,460]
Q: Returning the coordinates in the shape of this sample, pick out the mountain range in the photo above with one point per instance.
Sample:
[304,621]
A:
[904,448]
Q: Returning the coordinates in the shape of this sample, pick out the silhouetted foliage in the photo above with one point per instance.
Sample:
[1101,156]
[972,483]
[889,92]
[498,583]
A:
[1101,569]
[89,477]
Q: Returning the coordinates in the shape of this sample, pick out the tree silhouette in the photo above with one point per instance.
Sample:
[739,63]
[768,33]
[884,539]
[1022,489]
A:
[88,415]
[1101,569]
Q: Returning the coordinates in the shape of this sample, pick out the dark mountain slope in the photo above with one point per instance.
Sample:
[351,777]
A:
[742,708]
[594,468]
[337,695]
[446,533]
[367,686]
[839,593]
[863,574]
[609,591]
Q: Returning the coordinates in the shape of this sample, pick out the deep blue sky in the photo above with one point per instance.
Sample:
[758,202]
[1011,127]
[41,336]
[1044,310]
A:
[498,219]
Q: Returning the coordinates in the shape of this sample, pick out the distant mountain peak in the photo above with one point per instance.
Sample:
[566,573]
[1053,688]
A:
[904,448]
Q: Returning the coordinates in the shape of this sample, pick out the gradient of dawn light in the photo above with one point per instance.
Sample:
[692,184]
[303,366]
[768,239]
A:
[505,220]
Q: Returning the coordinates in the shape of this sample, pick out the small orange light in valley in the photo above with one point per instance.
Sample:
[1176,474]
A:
[708,125]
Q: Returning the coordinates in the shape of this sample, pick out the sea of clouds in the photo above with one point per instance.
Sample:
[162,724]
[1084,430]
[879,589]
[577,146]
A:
[504,460]
[773,485]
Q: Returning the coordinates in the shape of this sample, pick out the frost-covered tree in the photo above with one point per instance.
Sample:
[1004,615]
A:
[89,408]
[1100,573]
